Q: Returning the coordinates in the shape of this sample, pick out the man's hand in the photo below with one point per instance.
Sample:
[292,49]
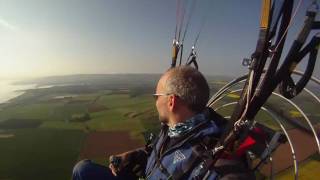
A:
[120,162]
[128,163]
[117,163]
[114,169]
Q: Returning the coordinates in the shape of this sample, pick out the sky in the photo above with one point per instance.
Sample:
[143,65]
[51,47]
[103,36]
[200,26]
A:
[60,37]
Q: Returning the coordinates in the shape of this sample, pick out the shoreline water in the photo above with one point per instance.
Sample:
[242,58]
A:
[9,90]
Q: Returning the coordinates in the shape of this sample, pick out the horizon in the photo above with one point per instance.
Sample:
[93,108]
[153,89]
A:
[83,74]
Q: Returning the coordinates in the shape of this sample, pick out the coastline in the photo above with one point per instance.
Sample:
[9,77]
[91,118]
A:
[10,90]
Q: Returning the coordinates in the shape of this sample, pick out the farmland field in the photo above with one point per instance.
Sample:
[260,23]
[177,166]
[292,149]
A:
[44,133]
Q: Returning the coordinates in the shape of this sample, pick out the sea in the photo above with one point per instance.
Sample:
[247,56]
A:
[9,90]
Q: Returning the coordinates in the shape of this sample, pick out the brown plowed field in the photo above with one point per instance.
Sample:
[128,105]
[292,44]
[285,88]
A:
[104,144]
[304,145]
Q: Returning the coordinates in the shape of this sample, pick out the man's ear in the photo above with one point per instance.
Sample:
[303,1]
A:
[172,102]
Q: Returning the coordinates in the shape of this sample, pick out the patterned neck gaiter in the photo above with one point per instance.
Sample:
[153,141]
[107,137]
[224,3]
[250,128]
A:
[182,128]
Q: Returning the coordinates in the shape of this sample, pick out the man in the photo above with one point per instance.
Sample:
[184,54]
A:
[181,149]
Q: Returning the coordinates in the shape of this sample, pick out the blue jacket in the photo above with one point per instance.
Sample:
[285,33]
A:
[179,161]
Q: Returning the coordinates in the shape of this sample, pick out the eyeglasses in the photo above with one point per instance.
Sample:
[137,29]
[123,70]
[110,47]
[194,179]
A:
[160,94]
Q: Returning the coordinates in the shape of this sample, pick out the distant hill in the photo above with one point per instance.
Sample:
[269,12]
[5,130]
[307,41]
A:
[98,79]
[94,79]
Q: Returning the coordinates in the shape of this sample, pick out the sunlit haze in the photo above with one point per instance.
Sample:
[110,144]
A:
[57,37]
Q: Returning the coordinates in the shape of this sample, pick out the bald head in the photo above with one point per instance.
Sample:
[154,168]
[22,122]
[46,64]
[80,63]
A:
[189,85]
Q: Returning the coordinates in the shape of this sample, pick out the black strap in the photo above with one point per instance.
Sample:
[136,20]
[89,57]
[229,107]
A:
[194,62]
[287,87]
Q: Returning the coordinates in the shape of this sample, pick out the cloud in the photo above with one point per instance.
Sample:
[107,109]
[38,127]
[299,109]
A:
[7,25]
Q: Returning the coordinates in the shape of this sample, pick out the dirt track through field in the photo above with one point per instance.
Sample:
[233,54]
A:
[104,144]
[304,145]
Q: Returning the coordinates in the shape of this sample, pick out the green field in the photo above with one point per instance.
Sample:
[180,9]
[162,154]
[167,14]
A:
[39,153]
[50,149]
